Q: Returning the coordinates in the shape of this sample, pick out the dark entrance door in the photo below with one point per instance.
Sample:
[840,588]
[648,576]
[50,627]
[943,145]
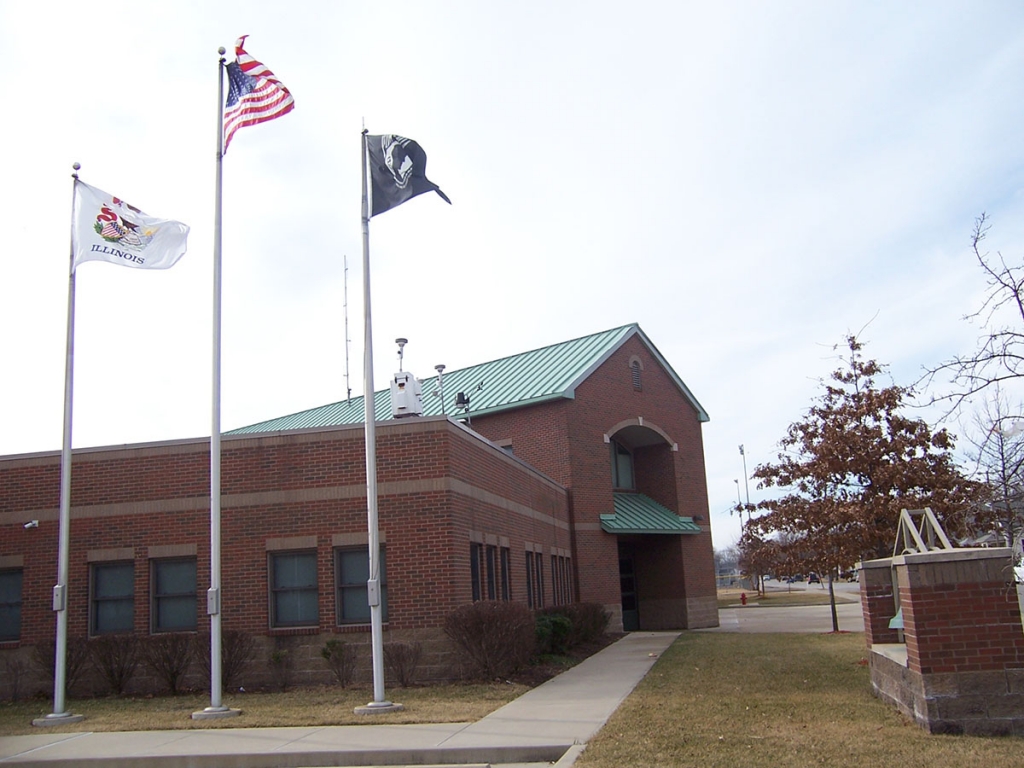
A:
[627,585]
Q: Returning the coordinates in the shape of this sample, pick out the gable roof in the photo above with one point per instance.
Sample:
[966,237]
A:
[537,376]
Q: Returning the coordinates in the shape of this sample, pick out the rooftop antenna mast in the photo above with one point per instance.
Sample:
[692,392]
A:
[439,392]
[401,351]
[348,386]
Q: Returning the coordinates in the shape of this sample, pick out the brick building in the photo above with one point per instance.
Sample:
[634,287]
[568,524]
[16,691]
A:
[573,472]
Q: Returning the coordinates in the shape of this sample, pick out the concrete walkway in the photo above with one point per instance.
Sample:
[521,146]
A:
[545,725]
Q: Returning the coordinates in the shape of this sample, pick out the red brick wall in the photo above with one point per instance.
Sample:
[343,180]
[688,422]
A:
[966,626]
[565,440]
[877,601]
[437,483]
[440,487]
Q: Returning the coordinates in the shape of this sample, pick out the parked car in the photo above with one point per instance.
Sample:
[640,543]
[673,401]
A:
[813,579]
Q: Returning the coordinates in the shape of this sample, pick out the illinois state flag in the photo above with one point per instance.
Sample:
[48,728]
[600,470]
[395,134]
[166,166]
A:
[106,228]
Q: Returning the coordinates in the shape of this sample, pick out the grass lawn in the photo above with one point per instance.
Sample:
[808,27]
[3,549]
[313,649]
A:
[324,705]
[772,701]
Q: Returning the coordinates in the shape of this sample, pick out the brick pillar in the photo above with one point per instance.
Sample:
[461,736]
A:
[960,611]
[877,601]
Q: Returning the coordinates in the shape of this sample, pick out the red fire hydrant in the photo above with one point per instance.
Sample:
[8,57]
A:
[743,598]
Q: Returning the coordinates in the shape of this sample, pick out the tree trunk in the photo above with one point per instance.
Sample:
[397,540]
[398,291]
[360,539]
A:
[832,603]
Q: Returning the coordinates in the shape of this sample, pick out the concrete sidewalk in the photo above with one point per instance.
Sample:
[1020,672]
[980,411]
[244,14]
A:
[545,725]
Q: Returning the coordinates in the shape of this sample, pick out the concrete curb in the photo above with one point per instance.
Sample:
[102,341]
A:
[303,758]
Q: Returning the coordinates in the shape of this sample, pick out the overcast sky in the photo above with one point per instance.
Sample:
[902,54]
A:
[747,181]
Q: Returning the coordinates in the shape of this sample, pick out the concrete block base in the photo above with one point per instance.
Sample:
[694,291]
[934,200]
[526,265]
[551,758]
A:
[215,714]
[66,719]
[973,703]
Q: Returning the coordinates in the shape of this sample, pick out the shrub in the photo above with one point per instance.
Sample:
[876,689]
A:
[44,655]
[496,637]
[116,658]
[589,621]
[237,649]
[341,659]
[281,668]
[402,661]
[553,632]
[169,656]
[15,670]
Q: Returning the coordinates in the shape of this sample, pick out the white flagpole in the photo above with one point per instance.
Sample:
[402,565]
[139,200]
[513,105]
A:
[379,703]
[213,596]
[60,714]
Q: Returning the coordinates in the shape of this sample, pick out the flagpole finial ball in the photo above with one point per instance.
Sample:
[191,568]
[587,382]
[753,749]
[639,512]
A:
[222,50]
[76,166]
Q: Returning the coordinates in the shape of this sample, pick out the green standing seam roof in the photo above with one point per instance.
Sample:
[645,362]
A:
[636,513]
[540,375]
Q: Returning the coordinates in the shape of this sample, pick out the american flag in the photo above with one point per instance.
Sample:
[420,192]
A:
[254,94]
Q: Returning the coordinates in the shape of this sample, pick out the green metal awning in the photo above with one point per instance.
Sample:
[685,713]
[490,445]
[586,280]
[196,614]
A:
[636,513]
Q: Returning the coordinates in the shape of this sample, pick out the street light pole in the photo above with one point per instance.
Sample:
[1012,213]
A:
[746,485]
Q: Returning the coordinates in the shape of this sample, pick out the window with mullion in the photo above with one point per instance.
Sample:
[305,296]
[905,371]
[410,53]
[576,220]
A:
[529,580]
[491,572]
[293,586]
[352,571]
[539,586]
[474,570]
[622,467]
[10,604]
[113,598]
[506,579]
[174,595]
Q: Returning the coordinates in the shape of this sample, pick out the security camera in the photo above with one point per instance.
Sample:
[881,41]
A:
[32,524]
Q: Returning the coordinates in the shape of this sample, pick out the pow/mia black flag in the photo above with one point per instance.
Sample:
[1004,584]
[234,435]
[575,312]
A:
[398,171]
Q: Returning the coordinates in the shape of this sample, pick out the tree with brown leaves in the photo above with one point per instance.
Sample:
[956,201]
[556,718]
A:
[847,469]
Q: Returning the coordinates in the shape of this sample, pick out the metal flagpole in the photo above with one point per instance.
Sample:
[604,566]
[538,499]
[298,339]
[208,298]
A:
[379,703]
[213,596]
[60,714]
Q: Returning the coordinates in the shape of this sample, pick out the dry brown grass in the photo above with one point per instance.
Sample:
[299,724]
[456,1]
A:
[774,701]
[324,705]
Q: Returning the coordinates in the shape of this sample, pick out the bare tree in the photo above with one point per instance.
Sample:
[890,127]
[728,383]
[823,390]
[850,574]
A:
[997,450]
[999,355]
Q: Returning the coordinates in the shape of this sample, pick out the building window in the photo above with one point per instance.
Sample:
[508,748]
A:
[489,572]
[558,580]
[113,598]
[474,569]
[561,584]
[538,596]
[506,578]
[10,604]
[352,571]
[634,368]
[174,595]
[293,589]
[492,575]
[622,466]
[529,580]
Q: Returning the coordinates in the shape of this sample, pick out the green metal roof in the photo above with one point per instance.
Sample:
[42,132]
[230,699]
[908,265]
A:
[549,373]
[636,513]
